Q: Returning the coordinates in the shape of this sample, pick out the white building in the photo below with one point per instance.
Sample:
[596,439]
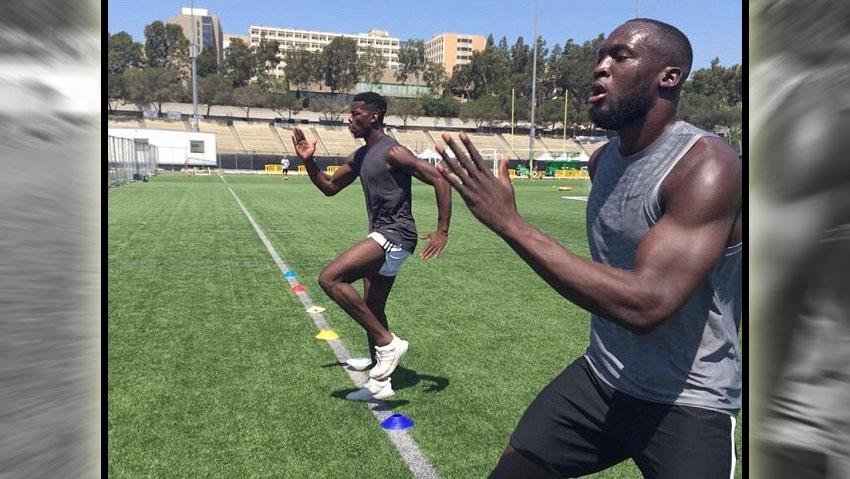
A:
[175,147]
[291,39]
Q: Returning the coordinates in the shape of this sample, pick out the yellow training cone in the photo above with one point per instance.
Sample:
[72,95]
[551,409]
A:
[315,309]
[327,335]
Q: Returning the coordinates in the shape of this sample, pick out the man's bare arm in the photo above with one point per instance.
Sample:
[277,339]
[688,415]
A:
[676,254]
[402,158]
[329,185]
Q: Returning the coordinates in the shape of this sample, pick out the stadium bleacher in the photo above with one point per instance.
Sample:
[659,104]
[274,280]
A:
[337,140]
[486,143]
[556,146]
[259,138]
[226,142]
[165,125]
[124,123]
[414,140]
[262,138]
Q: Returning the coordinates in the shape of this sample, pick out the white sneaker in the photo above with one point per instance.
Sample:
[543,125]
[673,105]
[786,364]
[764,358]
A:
[387,358]
[372,390]
[359,364]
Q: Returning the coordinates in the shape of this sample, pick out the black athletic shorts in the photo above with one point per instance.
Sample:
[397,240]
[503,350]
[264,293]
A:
[579,425]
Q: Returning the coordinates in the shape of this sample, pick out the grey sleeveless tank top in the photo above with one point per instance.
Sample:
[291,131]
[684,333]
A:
[692,358]
[387,192]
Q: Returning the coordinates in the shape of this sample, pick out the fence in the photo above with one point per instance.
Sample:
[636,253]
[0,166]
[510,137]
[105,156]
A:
[256,162]
[130,160]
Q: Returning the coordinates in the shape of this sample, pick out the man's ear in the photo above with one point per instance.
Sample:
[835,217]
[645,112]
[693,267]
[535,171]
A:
[671,77]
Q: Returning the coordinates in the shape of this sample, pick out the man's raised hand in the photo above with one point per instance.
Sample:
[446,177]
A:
[303,148]
[490,199]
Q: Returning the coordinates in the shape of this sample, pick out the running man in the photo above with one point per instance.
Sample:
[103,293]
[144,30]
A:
[385,169]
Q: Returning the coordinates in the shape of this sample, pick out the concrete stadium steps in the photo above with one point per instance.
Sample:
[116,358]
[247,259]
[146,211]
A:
[226,141]
[259,138]
[591,147]
[166,125]
[556,146]
[124,124]
[519,146]
[414,140]
[486,143]
[284,139]
[285,135]
[337,140]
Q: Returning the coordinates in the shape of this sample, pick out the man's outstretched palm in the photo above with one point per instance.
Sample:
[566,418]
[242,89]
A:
[303,148]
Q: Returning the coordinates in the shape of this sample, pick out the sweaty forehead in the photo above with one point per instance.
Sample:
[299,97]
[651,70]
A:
[632,34]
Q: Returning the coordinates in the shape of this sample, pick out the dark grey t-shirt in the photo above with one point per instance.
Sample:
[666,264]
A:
[692,358]
[387,192]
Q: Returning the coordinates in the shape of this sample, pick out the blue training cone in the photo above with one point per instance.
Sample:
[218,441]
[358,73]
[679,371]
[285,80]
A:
[289,274]
[397,422]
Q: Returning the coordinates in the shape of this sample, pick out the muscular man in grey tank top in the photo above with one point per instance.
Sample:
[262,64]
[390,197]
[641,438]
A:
[385,169]
[660,382]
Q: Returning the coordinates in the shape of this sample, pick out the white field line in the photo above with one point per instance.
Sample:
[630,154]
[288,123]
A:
[407,447]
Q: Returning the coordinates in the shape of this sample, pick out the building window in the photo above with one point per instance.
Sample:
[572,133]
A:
[196,146]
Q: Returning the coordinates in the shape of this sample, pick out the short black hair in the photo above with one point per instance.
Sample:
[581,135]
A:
[374,102]
[674,44]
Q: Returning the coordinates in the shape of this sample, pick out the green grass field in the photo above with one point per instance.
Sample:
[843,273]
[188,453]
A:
[214,370]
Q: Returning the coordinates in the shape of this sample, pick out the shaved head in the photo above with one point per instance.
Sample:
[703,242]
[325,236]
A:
[670,42]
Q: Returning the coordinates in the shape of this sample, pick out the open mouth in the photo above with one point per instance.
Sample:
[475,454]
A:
[597,93]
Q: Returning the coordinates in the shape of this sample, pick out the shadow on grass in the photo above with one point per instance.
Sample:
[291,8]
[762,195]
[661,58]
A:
[383,404]
[402,378]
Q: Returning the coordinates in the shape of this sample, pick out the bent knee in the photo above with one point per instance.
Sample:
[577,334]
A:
[327,280]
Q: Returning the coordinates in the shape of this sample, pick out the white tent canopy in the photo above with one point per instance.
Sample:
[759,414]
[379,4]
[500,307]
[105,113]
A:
[429,154]
[545,157]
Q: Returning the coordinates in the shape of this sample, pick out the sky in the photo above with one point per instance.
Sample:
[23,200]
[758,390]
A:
[713,26]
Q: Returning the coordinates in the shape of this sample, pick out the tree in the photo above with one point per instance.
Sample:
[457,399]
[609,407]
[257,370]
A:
[214,90]
[302,67]
[503,47]
[406,108]
[718,81]
[712,97]
[331,109]
[249,96]
[483,110]
[435,78]
[178,50]
[153,85]
[411,60]
[266,58]
[166,46]
[116,90]
[239,63]
[156,45]
[572,74]
[339,64]
[485,74]
[708,112]
[460,84]
[207,63]
[370,65]
[551,112]
[281,99]
[444,106]
[124,53]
